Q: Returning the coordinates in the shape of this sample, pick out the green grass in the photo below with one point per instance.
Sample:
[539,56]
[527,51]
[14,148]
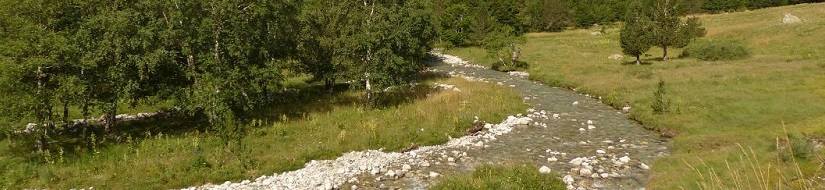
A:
[323,127]
[509,176]
[714,105]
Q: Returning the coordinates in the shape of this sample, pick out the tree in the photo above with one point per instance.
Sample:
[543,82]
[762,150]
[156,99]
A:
[548,15]
[669,30]
[666,24]
[689,31]
[635,35]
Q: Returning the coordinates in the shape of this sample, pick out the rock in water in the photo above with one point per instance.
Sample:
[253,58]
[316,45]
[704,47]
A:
[790,19]
[585,172]
[644,166]
[544,170]
[411,148]
[477,126]
[624,159]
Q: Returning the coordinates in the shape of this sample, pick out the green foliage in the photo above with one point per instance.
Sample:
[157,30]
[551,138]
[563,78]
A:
[669,30]
[511,176]
[548,15]
[717,50]
[661,102]
[724,5]
[504,46]
[636,36]
[796,146]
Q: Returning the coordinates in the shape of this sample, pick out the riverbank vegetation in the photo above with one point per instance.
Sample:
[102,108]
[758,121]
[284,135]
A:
[317,125]
[735,121]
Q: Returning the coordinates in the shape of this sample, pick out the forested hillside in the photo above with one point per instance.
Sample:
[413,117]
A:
[219,57]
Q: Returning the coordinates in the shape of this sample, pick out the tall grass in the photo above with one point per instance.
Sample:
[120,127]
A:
[754,171]
[713,105]
[322,127]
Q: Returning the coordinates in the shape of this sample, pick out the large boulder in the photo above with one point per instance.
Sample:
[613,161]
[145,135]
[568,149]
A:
[790,19]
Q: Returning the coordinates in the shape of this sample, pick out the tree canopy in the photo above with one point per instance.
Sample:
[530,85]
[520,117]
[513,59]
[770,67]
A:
[221,58]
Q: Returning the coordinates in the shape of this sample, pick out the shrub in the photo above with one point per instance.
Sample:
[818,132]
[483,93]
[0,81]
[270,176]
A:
[660,104]
[797,146]
[717,50]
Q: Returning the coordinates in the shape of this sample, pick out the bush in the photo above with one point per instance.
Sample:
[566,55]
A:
[661,104]
[518,65]
[717,50]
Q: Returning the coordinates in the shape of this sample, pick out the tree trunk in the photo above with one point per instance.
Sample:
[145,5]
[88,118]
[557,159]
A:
[66,111]
[111,115]
[664,55]
[638,62]
[329,83]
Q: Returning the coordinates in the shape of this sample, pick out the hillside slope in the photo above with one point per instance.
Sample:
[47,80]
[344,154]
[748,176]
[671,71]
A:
[725,111]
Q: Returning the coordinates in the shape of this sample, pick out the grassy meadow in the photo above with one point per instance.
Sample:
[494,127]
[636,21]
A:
[324,128]
[733,118]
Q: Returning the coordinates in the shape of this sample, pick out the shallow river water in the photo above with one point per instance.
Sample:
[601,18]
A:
[577,137]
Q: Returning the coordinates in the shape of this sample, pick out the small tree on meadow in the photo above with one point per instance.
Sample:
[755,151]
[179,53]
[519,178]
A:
[635,35]
[669,30]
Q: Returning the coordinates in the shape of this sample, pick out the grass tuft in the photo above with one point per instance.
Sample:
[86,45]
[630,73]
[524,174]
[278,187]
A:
[509,176]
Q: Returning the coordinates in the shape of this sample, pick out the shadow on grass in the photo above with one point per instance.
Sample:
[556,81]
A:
[648,61]
[287,106]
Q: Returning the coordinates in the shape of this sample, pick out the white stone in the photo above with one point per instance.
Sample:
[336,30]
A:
[552,159]
[576,103]
[624,159]
[604,175]
[406,167]
[644,166]
[544,170]
[390,173]
[591,127]
[328,185]
[425,164]
[590,122]
[626,109]
[450,159]
[600,152]
[576,161]
[433,174]
[616,57]
[568,179]
[790,19]
[582,129]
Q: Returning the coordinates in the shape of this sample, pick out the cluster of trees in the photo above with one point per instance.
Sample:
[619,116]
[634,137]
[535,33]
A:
[221,57]
[657,23]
